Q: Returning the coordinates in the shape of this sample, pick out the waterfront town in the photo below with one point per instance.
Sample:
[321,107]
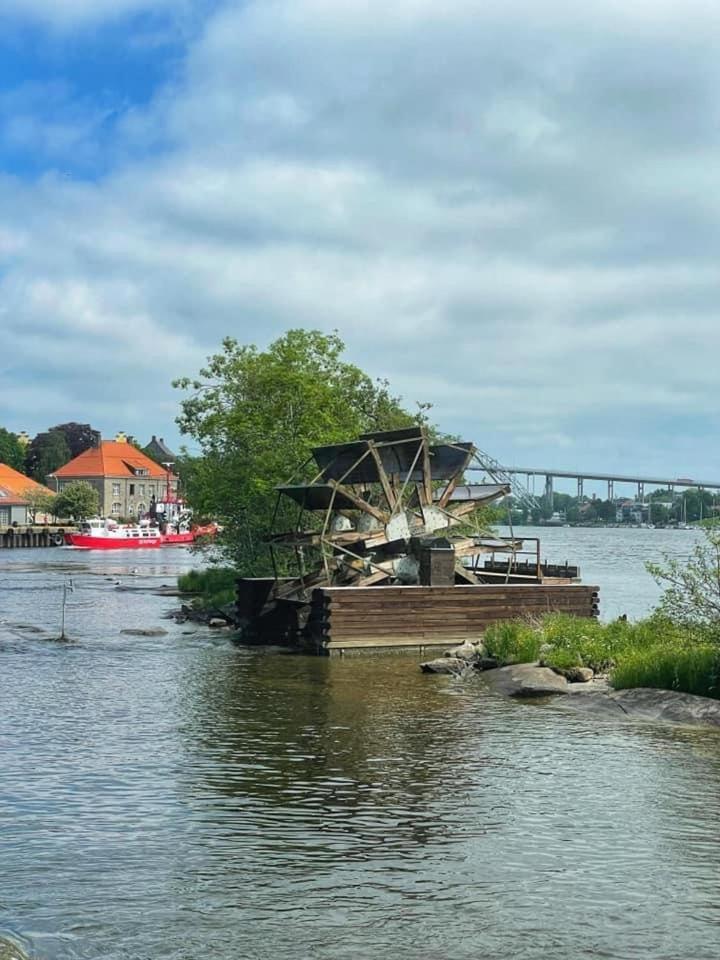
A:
[128,477]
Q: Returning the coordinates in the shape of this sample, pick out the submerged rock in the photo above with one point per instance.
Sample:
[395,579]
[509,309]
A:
[453,665]
[667,705]
[144,632]
[527,680]
[9,950]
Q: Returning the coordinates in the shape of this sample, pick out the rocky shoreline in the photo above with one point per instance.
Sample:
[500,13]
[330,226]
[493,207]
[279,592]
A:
[577,689]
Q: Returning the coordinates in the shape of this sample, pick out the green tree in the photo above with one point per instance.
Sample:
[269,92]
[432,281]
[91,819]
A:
[12,451]
[78,436]
[78,500]
[39,501]
[47,452]
[256,416]
[692,585]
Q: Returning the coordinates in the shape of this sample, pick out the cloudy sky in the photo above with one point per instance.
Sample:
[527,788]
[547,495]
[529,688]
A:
[509,209]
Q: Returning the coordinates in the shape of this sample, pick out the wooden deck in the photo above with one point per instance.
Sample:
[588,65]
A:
[344,619]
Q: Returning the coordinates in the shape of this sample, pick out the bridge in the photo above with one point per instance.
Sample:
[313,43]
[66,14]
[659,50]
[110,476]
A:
[503,473]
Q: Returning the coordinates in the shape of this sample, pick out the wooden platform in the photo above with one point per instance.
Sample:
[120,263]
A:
[344,619]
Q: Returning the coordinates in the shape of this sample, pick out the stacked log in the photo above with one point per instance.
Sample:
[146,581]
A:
[407,616]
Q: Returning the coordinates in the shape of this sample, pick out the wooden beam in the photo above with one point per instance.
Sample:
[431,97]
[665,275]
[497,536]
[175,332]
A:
[383,477]
[361,504]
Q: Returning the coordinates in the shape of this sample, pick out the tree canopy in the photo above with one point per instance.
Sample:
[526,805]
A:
[12,451]
[78,500]
[48,451]
[256,414]
[56,446]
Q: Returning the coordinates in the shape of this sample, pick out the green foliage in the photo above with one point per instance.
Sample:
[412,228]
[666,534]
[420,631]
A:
[213,587]
[256,415]
[12,451]
[513,641]
[693,669]
[655,652]
[39,501]
[692,585]
[78,500]
[78,436]
[46,453]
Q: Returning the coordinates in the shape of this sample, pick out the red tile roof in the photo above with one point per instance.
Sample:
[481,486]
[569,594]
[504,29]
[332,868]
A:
[13,484]
[110,459]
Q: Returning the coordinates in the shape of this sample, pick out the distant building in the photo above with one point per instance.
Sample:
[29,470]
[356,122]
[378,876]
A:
[159,451]
[126,479]
[14,507]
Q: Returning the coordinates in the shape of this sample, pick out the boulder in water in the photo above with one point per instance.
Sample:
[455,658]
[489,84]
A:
[453,665]
[527,680]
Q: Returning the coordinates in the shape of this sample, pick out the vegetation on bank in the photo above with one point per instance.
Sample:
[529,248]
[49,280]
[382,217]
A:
[655,652]
[211,588]
[677,648]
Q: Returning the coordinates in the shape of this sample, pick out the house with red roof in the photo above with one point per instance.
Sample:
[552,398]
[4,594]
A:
[14,490]
[127,481]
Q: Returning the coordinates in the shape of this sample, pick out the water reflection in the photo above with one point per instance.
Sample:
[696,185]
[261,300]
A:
[178,797]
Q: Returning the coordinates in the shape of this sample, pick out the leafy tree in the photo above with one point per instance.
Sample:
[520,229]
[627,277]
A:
[78,436]
[47,452]
[257,414]
[78,500]
[12,451]
[39,501]
[692,586]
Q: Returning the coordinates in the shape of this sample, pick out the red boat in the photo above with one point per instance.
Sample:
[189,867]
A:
[110,535]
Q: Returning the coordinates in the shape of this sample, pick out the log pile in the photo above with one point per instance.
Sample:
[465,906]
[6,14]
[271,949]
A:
[407,616]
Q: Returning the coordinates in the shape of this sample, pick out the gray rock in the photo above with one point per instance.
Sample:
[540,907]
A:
[144,632]
[217,622]
[486,663]
[466,651]
[444,665]
[668,706]
[643,703]
[575,674]
[527,680]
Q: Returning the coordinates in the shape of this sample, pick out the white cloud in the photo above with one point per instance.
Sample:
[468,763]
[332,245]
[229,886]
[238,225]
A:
[507,210]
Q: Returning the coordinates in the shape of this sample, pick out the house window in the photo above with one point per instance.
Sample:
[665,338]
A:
[116,490]
[132,489]
[141,489]
[141,509]
[116,508]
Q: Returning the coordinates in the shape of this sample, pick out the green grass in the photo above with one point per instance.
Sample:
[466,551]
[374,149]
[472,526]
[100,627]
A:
[213,587]
[694,669]
[654,652]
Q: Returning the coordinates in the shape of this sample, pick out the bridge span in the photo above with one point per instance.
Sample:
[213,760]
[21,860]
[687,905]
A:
[610,478]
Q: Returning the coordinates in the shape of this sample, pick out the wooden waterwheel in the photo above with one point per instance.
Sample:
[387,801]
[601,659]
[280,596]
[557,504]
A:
[373,501]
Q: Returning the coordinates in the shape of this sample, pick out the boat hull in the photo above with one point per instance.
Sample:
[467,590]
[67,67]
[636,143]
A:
[112,543]
[188,537]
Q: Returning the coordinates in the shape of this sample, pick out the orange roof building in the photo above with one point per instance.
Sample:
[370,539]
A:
[126,479]
[13,488]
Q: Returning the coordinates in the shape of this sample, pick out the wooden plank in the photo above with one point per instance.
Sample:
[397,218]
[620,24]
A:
[361,504]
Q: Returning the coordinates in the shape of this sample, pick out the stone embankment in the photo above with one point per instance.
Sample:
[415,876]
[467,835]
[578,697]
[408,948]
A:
[578,689]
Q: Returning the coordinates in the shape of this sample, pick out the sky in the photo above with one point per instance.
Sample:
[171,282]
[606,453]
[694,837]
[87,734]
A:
[508,209]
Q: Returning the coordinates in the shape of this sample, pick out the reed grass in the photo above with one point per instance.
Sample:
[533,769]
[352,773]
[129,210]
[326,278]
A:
[655,652]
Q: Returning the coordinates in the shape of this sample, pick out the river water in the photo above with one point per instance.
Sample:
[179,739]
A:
[183,797]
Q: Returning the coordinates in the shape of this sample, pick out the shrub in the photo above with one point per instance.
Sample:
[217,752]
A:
[213,587]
